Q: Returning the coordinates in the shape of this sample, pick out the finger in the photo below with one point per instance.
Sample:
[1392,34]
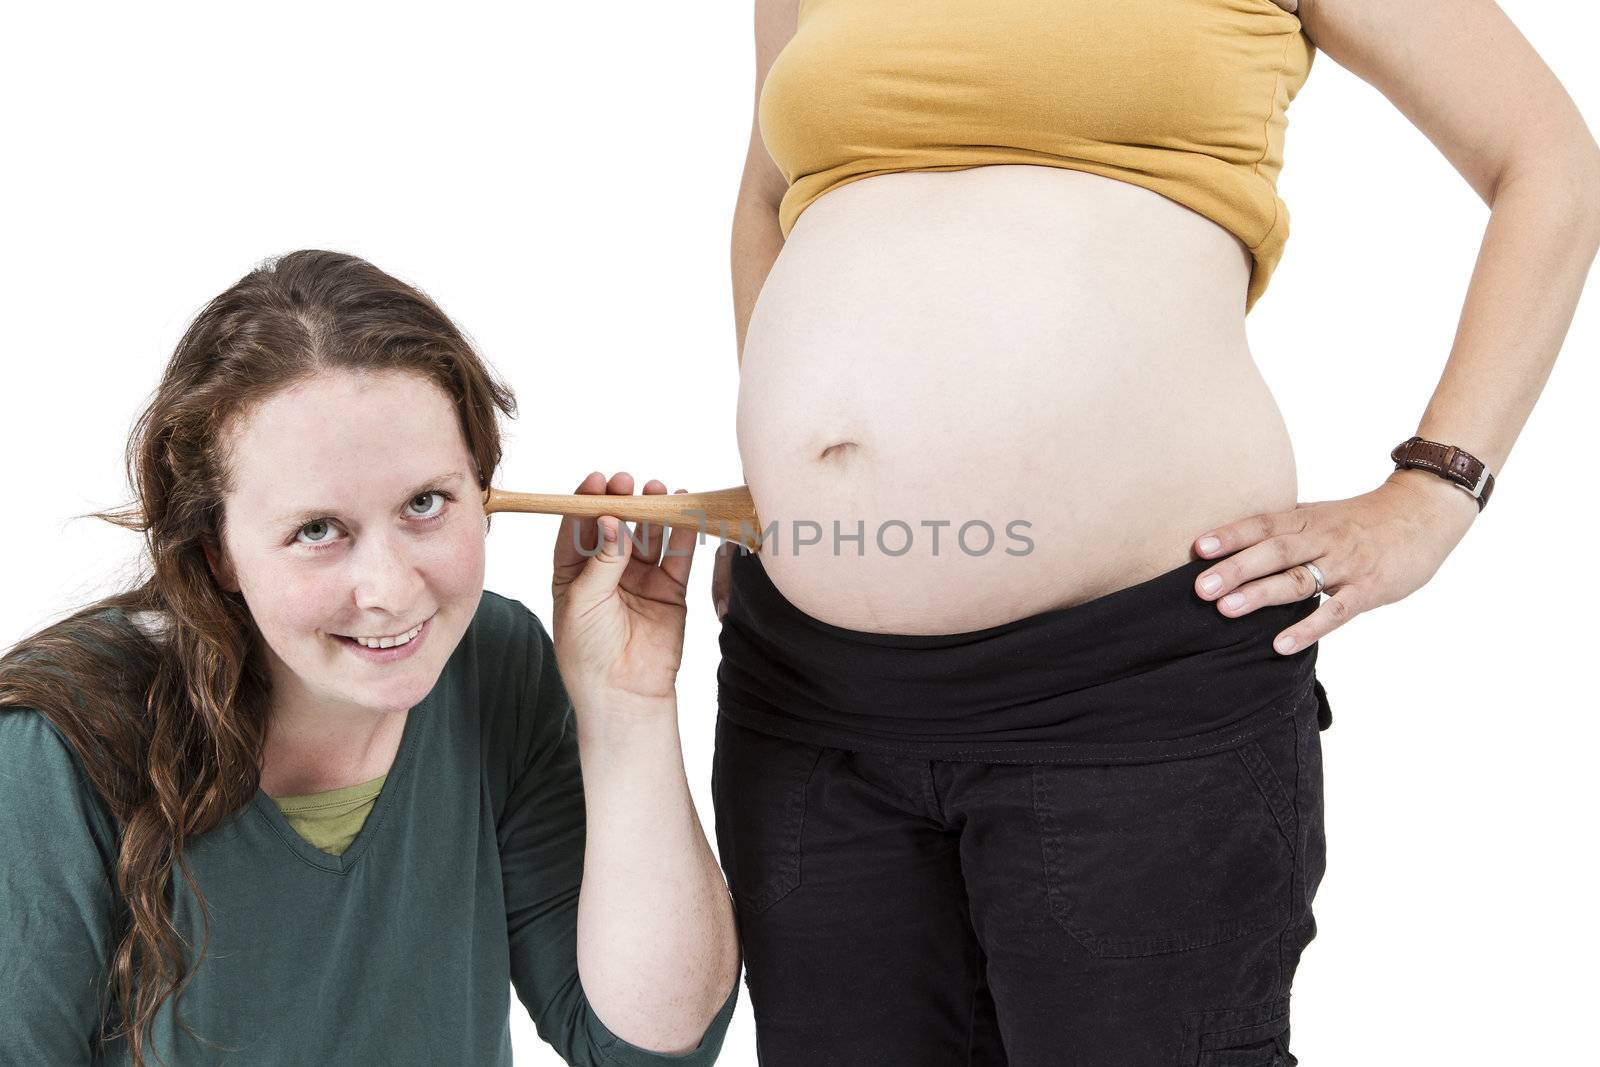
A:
[1271,556]
[647,535]
[621,484]
[720,579]
[1281,587]
[602,571]
[575,539]
[679,552]
[1253,529]
[1333,613]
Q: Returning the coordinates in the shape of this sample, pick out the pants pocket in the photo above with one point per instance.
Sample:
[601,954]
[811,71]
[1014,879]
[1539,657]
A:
[1155,858]
[1242,1037]
[1324,709]
[1311,842]
[1265,1054]
[758,787]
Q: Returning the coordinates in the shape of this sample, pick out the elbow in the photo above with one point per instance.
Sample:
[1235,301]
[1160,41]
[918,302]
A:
[706,1021]
[757,210]
[754,221]
[1586,182]
[1567,180]
[1593,197]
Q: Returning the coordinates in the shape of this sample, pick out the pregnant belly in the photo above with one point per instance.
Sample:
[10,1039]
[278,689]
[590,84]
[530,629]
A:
[967,397]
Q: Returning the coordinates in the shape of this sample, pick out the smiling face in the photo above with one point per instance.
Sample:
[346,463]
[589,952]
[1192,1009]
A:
[354,511]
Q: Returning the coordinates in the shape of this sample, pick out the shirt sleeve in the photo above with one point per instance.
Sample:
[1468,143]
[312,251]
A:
[541,834]
[57,862]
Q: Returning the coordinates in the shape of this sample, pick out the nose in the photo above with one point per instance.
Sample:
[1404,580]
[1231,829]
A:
[384,577]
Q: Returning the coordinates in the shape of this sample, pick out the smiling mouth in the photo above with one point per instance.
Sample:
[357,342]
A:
[392,641]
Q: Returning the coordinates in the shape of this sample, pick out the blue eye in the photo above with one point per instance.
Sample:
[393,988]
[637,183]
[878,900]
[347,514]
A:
[322,524]
[424,496]
[322,529]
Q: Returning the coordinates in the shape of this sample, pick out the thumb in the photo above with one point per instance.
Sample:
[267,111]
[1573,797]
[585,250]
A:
[720,578]
[603,570]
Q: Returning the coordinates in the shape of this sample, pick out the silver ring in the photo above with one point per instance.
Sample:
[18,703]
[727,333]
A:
[1316,572]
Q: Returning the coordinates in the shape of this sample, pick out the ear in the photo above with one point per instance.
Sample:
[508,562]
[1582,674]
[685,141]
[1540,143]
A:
[221,569]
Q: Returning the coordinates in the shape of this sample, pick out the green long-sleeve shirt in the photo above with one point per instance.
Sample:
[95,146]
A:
[462,882]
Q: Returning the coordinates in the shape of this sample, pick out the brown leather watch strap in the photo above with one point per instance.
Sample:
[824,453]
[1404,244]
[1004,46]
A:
[1449,462]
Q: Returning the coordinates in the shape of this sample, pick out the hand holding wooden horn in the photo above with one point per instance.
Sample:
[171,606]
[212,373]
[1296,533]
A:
[726,513]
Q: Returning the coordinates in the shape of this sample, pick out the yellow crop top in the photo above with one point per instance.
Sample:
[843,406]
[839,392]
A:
[1187,98]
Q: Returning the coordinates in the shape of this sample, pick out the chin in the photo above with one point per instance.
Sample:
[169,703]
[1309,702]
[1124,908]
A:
[402,694]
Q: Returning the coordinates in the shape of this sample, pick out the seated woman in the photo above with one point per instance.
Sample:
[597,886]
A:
[309,793]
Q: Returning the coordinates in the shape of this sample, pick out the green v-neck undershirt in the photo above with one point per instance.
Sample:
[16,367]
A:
[331,819]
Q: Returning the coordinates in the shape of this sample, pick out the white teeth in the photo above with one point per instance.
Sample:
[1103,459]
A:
[389,642]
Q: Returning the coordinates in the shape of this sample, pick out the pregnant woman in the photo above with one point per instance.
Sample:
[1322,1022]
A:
[310,794]
[1018,755]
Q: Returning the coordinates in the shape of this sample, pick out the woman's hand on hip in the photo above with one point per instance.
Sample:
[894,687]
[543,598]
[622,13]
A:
[619,604]
[1373,549]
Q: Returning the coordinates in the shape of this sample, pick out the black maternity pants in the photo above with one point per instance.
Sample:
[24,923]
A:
[1125,902]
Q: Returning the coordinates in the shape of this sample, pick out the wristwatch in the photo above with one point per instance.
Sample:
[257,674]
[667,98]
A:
[1448,462]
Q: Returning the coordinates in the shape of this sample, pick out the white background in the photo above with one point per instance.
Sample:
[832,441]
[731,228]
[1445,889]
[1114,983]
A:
[563,183]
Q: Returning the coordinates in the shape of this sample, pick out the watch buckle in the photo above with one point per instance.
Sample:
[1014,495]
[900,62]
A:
[1477,490]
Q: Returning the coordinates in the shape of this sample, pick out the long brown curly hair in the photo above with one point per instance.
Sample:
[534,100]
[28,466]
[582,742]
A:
[170,730]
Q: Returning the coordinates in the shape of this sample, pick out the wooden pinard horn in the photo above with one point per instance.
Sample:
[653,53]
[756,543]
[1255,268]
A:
[726,513]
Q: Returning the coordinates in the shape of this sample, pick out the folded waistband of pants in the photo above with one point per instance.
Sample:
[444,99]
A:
[1147,672]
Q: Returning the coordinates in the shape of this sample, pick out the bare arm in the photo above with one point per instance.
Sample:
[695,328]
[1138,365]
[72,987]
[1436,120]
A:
[621,933]
[757,239]
[1474,86]
[657,948]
